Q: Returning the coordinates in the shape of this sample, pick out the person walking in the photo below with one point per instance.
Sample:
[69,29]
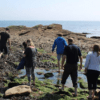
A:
[92,69]
[4,37]
[60,42]
[71,54]
[30,61]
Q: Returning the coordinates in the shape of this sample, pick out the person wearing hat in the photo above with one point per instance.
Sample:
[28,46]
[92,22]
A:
[60,43]
[4,37]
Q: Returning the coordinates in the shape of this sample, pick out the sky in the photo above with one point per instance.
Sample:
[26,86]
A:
[60,10]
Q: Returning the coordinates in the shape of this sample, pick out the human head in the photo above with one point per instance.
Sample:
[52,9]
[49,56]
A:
[25,45]
[70,40]
[7,29]
[96,48]
[30,43]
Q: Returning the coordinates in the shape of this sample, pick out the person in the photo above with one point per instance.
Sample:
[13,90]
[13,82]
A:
[92,69]
[60,42]
[22,62]
[4,37]
[30,61]
[71,54]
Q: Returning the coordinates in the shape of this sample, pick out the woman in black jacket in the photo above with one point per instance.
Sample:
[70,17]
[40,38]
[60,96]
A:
[30,61]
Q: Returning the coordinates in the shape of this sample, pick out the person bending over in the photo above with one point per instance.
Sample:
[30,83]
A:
[4,37]
[22,62]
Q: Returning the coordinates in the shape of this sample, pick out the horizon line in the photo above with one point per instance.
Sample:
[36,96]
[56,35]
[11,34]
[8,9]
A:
[53,20]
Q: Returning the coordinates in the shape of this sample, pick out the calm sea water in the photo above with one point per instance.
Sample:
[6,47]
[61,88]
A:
[56,78]
[92,27]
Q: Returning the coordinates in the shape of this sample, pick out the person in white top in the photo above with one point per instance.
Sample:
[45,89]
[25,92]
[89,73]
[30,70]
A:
[92,69]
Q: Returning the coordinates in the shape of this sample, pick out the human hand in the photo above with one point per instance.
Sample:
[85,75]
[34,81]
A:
[10,48]
[80,67]
[85,70]
[62,67]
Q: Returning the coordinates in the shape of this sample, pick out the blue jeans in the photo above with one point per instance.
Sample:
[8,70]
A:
[21,64]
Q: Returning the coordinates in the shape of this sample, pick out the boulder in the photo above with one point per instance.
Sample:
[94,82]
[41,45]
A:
[56,26]
[18,90]
[98,94]
[39,73]
[48,75]
[85,33]
[96,37]
[83,85]
[98,91]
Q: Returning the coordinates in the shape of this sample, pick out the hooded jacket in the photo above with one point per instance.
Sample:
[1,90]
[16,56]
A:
[60,42]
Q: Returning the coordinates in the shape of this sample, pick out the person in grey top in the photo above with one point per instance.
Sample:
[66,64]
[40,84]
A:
[30,61]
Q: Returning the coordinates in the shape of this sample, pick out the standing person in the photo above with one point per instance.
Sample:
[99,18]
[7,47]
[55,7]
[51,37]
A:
[30,61]
[71,53]
[60,42]
[4,37]
[92,69]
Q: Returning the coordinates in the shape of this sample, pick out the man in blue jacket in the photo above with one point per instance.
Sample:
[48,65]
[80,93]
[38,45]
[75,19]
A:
[60,42]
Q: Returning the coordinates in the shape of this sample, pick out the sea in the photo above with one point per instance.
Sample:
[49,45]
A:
[91,27]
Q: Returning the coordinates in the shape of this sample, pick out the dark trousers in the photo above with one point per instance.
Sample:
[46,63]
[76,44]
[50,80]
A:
[4,48]
[70,69]
[29,72]
[92,77]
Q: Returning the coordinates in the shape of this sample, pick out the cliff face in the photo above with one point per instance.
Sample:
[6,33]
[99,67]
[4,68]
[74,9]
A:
[44,36]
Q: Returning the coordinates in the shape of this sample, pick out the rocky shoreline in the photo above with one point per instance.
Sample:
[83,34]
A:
[43,38]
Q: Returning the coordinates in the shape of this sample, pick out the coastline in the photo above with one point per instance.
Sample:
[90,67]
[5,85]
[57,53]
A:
[43,38]
[74,26]
[46,36]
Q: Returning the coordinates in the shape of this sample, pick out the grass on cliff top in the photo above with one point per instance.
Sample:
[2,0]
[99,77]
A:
[20,26]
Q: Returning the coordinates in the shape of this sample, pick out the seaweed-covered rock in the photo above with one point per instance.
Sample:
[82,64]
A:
[48,75]
[83,85]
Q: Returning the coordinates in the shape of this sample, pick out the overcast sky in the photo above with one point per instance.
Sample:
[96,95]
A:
[67,10]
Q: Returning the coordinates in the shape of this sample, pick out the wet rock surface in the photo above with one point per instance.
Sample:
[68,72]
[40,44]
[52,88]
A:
[48,75]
